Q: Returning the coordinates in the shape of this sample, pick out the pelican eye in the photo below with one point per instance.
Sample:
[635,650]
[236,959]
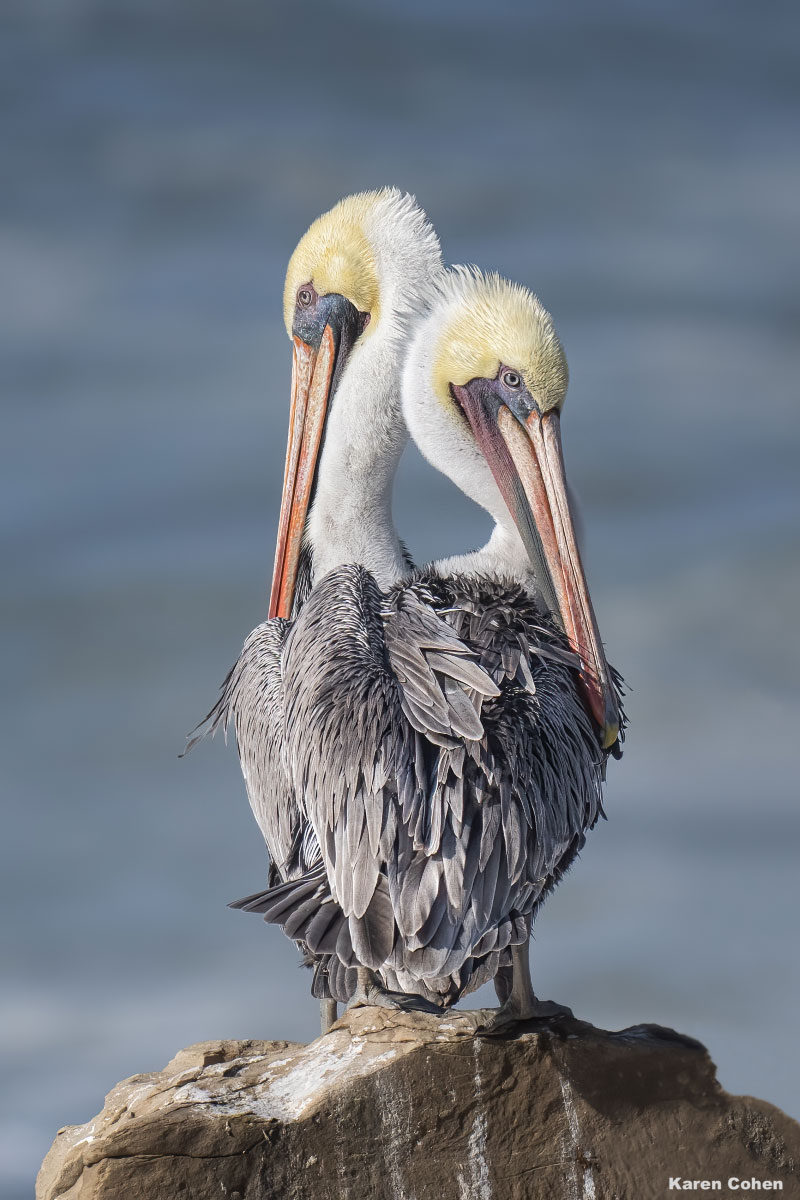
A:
[511,379]
[305,296]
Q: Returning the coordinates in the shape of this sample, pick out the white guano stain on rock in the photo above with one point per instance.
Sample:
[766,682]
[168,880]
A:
[580,1179]
[141,1093]
[189,1093]
[341,1117]
[476,1185]
[288,1095]
[395,1110]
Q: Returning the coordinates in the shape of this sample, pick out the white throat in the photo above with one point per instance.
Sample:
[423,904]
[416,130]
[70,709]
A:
[503,558]
[351,516]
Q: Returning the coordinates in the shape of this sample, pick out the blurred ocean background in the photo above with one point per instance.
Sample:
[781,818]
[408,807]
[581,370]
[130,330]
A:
[637,165]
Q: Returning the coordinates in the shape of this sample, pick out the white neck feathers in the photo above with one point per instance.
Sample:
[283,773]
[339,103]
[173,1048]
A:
[350,520]
[351,517]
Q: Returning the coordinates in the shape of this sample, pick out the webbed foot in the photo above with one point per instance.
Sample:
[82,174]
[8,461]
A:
[369,992]
[512,1013]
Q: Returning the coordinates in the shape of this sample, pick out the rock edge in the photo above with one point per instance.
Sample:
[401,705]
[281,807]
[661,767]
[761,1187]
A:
[411,1107]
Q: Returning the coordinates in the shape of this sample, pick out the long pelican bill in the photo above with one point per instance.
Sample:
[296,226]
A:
[526,459]
[312,380]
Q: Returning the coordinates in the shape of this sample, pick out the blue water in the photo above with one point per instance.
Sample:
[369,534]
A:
[637,165]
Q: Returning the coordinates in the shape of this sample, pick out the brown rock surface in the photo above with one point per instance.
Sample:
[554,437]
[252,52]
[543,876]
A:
[403,1107]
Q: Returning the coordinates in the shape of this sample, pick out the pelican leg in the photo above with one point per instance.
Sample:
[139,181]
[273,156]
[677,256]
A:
[370,992]
[503,981]
[521,1004]
[328,1012]
[522,999]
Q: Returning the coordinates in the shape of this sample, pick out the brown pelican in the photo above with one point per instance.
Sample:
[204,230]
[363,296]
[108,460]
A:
[445,810]
[357,277]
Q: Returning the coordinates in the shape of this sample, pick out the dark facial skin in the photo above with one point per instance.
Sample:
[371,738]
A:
[313,312]
[480,400]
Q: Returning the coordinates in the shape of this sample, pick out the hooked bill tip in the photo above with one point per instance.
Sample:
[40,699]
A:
[609,734]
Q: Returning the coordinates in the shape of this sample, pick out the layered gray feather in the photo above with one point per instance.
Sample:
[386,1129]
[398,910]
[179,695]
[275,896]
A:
[439,747]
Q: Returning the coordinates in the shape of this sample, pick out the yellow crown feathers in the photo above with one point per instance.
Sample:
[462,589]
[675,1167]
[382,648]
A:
[494,322]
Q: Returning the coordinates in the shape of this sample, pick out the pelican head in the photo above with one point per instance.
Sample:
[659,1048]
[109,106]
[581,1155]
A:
[355,279]
[483,387]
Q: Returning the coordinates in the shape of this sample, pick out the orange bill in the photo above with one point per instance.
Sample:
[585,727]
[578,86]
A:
[536,452]
[312,376]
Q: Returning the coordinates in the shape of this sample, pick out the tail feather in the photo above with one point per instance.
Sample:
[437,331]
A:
[292,890]
[308,913]
[322,931]
[294,925]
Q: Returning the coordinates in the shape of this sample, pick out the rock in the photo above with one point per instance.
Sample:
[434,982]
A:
[392,1106]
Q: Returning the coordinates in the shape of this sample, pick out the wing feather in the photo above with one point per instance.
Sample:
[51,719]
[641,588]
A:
[437,740]
[251,700]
